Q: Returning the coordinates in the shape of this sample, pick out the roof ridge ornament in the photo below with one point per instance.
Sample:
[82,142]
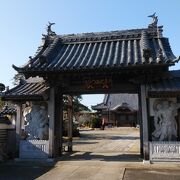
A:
[50,33]
[154,21]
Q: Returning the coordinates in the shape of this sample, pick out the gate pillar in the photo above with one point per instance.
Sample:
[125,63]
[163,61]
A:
[18,124]
[144,124]
[55,112]
[70,124]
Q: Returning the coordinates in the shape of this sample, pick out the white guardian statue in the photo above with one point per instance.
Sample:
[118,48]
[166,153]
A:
[164,120]
[36,122]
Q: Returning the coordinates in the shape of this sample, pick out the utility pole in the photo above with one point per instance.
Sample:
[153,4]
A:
[109,112]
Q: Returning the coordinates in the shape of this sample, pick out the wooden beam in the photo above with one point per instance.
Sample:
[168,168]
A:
[117,87]
[144,122]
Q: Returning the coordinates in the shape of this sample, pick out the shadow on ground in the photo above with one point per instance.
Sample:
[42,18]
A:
[109,137]
[24,170]
[79,156]
[83,142]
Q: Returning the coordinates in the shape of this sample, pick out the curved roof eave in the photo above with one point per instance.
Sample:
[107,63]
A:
[128,48]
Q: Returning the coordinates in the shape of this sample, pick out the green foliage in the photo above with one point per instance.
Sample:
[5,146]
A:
[77,105]
[87,123]
[65,129]
[76,102]
[85,120]
[96,122]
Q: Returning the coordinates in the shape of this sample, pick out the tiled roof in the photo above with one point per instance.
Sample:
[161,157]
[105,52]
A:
[169,86]
[116,100]
[113,101]
[27,91]
[88,51]
[100,106]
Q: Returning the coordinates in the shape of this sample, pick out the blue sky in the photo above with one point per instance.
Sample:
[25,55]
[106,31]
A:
[23,22]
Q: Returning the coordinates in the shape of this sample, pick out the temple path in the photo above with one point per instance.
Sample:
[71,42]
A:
[97,155]
[112,154]
[109,144]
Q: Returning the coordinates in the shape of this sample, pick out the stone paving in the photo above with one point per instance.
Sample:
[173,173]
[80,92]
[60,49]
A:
[96,155]
[116,140]
[112,143]
[112,154]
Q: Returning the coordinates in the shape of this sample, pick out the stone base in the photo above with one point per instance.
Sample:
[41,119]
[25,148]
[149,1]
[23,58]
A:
[36,160]
[34,149]
[146,162]
[167,151]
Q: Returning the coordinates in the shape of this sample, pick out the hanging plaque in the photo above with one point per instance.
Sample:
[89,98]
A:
[98,83]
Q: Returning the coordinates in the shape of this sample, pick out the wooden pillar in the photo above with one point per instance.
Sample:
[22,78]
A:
[18,125]
[178,123]
[144,122]
[70,124]
[55,122]
[139,117]
[58,123]
[51,113]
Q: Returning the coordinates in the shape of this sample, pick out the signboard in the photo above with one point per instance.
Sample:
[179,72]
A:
[164,151]
[34,149]
[98,83]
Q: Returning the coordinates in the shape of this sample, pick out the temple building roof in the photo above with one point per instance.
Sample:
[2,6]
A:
[114,101]
[93,51]
[100,106]
[31,89]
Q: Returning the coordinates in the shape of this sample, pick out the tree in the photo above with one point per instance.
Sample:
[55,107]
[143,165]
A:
[77,106]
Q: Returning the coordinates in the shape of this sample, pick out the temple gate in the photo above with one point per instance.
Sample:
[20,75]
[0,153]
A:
[129,61]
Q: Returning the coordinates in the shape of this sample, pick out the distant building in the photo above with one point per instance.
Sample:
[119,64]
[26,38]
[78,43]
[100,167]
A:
[119,109]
